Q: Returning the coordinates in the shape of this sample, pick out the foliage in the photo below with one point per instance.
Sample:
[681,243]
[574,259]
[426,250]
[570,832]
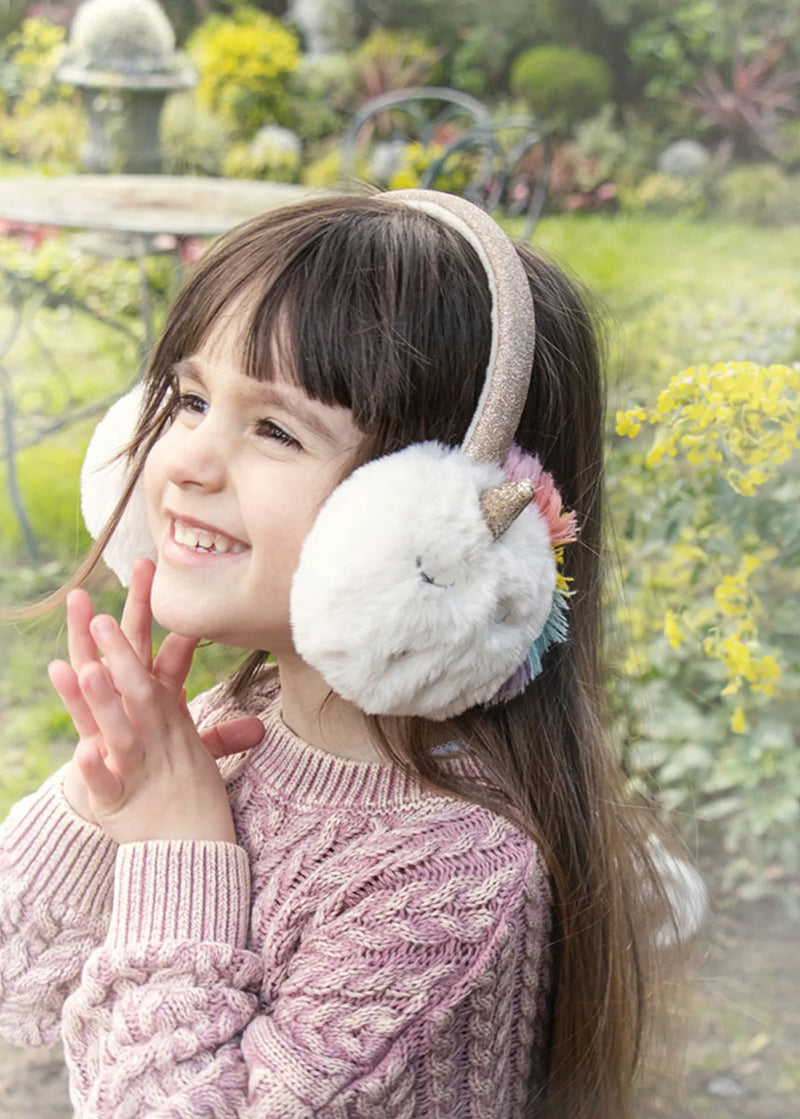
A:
[269,155]
[389,60]
[562,86]
[762,193]
[670,49]
[746,112]
[709,557]
[325,170]
[12,13]
[28,62]
[46,137]
[110,288]
[476,41]
[322,95]
[245,63]
[194,141]
[603,151]
[667,195]
[416,158]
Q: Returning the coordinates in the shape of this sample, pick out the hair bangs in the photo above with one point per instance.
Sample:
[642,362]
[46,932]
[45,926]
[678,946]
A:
[384,312]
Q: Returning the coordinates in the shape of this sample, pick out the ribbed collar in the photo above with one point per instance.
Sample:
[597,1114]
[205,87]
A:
[294,770]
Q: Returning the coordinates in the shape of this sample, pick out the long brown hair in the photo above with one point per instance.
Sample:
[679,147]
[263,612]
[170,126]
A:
[386,311]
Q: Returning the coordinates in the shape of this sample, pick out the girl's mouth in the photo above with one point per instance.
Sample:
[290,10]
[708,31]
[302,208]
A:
[203,540]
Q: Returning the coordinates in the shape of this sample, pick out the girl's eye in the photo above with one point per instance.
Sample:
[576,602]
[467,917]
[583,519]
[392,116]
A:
[270,430]
[191,402]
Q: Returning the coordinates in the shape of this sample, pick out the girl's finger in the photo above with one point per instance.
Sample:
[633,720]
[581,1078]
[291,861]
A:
[65,681]
[233,737]
[137,618]
[80,612]
[174,660]
[97,777]
[107,709]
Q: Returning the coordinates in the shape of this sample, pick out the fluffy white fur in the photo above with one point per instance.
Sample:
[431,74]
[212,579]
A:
[102,482]
[686,893]
[402,599]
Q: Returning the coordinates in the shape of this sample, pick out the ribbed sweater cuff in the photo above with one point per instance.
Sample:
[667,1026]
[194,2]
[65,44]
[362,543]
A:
[180,889]
[61,858]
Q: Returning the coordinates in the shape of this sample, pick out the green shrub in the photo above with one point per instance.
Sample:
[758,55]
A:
[667,195]
[763,194]
[389,60]
[29,59]
[415,159]
[562,86]
[193,140]
[269,155]
[48,136]
[244,62]
[322,91]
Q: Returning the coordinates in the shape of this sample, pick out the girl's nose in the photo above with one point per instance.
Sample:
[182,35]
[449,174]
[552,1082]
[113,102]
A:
[194,455]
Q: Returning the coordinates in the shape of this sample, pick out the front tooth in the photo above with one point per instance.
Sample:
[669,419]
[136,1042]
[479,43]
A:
[205,539]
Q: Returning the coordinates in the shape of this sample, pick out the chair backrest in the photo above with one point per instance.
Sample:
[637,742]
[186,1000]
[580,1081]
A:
[497,170]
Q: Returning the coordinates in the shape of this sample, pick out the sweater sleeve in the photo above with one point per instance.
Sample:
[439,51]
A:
[175,1017]
[56,885]
[56,881]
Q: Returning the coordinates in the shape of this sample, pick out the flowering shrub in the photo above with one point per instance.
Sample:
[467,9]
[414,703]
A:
[244,62]
[415,159]
[707,694]
[29,59]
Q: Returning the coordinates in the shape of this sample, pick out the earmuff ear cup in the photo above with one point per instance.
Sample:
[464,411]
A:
[404,601]
[102,483]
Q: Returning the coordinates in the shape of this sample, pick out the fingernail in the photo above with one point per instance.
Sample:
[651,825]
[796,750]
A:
[103,626]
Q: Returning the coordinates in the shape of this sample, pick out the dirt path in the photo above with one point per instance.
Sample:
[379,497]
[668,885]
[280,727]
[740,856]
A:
[742,1053]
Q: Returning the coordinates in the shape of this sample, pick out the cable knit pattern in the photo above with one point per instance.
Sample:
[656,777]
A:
[367,950]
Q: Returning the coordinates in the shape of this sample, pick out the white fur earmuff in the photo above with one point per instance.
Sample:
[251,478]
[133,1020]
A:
[404,601]
[102,482]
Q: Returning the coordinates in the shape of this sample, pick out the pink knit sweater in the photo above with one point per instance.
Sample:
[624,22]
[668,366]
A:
[368,949]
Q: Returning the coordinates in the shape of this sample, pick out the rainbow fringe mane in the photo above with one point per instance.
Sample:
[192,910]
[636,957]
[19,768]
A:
[563,529]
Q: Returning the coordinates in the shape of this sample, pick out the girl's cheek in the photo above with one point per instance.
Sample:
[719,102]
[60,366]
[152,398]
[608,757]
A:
[153,477]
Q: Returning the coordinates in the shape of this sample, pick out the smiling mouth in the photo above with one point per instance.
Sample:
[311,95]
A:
[204,540]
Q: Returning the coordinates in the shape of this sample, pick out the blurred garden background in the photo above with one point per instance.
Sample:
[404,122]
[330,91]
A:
[652,147]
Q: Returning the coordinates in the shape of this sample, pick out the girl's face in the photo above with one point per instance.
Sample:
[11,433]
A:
[233,487]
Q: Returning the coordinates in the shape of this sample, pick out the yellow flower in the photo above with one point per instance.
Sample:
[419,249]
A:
[738,721]
[630,423]
[672,630]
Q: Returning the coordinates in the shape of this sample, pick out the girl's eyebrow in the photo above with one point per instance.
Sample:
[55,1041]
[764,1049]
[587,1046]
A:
[268,394]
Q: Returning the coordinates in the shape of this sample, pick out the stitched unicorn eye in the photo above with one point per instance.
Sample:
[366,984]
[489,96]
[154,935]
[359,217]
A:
[427,578]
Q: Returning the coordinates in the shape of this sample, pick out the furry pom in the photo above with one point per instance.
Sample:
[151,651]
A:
[102,482]
[563,529]
[403,600]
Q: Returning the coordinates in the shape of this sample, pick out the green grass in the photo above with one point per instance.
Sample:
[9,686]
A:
[677,293]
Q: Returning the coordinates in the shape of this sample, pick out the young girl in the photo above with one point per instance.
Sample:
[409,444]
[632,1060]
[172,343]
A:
[391,872]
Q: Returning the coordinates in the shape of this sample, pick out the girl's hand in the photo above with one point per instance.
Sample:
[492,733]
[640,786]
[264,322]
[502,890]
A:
[141,770]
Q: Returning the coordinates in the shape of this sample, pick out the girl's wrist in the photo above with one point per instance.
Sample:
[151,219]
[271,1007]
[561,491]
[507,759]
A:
[76,794]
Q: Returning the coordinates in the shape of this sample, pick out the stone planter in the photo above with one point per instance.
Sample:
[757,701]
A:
[121,56]
[124,112]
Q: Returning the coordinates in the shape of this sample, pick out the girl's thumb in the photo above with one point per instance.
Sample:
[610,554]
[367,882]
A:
[232,737]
